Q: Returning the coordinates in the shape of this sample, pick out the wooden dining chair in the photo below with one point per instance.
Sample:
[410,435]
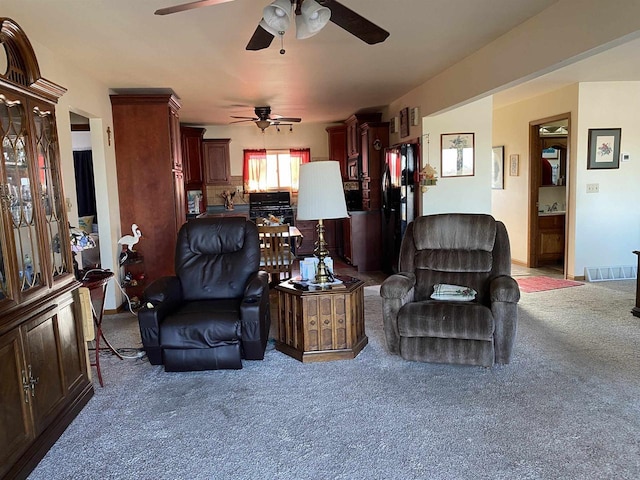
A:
[275,252]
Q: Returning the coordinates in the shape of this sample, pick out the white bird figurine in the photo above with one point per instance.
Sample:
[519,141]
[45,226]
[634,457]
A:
[130,240]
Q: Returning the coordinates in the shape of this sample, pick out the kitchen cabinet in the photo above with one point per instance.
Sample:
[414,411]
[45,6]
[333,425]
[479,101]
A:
[374,139]
[193,169]
[217,162]
[191,140]
[353,124]
[360,236]
[151,190]
[44,376]
[338,147]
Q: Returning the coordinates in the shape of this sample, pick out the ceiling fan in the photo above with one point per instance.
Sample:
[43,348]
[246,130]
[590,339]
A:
[263,118]
[310,17]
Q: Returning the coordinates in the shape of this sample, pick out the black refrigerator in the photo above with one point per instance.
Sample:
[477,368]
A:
[400,189]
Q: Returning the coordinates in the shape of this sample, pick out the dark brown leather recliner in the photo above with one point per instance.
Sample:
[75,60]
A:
[466,250]
[215,311]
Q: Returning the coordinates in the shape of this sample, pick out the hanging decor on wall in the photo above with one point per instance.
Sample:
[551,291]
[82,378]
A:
[428,175]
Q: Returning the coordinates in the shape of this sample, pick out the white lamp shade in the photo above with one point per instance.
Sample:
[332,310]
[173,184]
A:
[277,15]
[320,191]
[313,17]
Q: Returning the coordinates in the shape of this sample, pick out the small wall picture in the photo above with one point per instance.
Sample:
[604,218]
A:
[457,155]
[514,165]
[604,148]
[497,168]
[404,122]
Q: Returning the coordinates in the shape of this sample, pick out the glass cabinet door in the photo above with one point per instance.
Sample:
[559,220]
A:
[17,200]
[49,180]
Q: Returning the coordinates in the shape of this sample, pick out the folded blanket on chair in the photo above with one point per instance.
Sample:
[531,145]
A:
[444,291]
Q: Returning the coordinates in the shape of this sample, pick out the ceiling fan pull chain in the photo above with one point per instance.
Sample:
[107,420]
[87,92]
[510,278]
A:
[281,34]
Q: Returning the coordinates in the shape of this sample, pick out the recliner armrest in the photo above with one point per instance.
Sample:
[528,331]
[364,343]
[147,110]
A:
[504,289]
[164,290]
[396,291]
[256,286]
[397,285]
[255,316]
[160,298]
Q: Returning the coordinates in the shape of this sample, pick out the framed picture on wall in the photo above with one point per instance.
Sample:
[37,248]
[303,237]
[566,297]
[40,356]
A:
[514,165]
[404,122]
[604,148]
[497,168]
[457,158]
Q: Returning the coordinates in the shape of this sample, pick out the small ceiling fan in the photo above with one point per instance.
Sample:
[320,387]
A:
[310,17]
[263,118]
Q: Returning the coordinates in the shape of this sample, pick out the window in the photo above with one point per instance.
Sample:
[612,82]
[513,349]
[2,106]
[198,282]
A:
[273,170]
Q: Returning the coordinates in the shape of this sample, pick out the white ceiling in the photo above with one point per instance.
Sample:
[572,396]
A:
[200,54]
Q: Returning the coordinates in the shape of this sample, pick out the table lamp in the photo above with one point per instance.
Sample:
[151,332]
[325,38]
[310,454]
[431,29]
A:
[321,197]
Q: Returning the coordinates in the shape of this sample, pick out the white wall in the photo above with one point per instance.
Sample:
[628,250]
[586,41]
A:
[460,194]
[608,223]
[511,129]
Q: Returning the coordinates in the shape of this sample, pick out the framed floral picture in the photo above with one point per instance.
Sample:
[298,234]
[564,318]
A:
[457,155]
[604,148]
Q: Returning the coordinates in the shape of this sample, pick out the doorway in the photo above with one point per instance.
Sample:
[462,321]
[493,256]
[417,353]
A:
[549,143]
[85,187]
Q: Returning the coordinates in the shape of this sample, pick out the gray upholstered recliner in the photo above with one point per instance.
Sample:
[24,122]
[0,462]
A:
[466,250]
[215,311]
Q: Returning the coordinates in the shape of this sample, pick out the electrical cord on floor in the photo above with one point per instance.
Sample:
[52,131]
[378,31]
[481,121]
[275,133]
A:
[115,278]
[125,352]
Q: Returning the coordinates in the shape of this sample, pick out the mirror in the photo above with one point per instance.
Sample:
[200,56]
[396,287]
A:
[553,138]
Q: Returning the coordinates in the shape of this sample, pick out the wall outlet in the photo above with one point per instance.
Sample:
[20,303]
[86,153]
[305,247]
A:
[593,187]
[239,189]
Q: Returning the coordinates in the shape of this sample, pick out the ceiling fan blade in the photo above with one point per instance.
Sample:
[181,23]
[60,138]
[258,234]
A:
[245,118]
[189,6]
[287,119]
[261,39]
[354,23]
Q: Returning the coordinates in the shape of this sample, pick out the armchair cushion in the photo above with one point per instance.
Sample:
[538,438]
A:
[202,324]
[446,320]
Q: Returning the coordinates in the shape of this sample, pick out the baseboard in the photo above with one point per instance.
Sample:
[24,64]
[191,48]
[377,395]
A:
[519,263]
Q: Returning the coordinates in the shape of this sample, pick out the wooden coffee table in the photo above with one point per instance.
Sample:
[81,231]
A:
[321,325]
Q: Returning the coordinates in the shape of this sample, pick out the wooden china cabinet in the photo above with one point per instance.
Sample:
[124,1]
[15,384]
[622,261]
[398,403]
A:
[44,379]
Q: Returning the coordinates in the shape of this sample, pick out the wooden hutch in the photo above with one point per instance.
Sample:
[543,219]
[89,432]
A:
[151,188]
[44,374]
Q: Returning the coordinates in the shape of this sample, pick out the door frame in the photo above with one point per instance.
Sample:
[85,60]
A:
[535,176]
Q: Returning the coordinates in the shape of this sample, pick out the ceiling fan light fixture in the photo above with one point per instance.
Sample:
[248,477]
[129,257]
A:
[313,18]
[263,124]
[277,15]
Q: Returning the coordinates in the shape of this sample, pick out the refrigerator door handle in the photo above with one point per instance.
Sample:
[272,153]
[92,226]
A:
[386,187]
